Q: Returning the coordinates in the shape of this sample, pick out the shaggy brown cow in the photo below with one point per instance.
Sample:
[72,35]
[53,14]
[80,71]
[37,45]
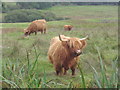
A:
[64,52]
[36,26]
[68,27]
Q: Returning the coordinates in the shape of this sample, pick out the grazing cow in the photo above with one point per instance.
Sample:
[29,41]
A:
[36,26]
[68,27]
[64,53]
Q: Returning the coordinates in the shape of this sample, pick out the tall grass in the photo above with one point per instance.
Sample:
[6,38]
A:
[101,79]
[33,80]
[82,76]
[26,75]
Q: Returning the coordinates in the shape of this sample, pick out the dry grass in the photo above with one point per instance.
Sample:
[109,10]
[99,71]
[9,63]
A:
[10,30]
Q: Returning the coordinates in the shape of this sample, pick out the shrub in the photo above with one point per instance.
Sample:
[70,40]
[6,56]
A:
[50,16]
[29,15]
[22,16]
[6,7]
[34,5]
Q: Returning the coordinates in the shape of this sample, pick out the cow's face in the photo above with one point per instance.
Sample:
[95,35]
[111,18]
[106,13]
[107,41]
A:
[74,45]
[25,32]
[70,26]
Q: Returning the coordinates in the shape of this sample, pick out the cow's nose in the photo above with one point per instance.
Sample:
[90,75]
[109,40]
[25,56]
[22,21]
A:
[78,52]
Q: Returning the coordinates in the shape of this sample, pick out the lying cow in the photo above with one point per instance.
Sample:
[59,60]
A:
[64,53]
[68,27]
[36,26]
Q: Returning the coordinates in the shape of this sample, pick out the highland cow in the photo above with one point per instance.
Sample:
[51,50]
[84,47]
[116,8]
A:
[68,27]
[36,26]
[64,53]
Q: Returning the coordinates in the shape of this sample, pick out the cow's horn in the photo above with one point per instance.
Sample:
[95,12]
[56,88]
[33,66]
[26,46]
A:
[60,38]
[85,38]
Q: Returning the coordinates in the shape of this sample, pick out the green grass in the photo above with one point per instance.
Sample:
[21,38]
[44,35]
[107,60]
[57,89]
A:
[102,80]
[25,61]
[15,25]
[85,11]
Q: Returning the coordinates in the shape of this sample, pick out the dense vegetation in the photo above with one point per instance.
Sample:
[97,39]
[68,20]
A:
[12,11]
[29,15]
[43,5]
[25,62]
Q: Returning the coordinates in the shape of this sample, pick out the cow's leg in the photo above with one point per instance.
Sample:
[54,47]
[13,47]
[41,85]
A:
[41,31]
[44,30]
[35,33]
[57,72]
[58,69]
[68,29]
[65,70]
[73,70]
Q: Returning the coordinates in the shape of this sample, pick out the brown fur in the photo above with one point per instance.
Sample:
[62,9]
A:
[41,21]
[36,26]
[68,27]
[62,53]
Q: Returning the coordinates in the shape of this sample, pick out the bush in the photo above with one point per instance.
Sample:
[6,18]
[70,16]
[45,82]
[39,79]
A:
[34,5]
[28,16]
[49,16]
[6,7]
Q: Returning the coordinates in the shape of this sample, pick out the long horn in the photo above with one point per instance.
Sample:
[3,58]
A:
[85,38]
[60,37]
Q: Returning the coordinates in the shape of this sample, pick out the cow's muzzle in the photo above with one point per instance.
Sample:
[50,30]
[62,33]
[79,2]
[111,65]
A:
[77,53]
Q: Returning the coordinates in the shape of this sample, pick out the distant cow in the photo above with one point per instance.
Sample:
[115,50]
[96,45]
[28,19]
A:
[64,52]
[36,26]
[68,27]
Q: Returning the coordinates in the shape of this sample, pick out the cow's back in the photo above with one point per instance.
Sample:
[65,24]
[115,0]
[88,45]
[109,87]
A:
[32,27]
[41,24]
[42,20]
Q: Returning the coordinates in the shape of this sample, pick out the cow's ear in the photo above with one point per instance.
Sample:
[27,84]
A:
[84,43]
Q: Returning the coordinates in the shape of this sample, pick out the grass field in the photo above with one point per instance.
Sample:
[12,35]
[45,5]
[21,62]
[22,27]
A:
[25,62]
